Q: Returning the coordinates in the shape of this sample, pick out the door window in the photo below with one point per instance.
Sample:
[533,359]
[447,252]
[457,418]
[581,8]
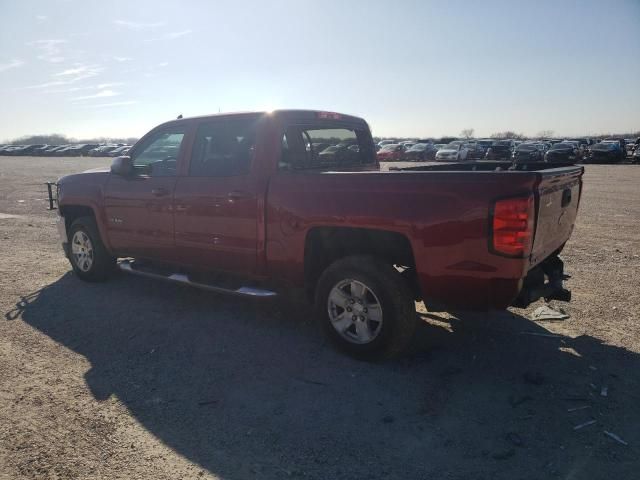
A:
[158,157]
[223,149]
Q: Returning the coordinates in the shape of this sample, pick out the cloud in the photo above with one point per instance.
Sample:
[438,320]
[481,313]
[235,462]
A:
[163,64]
[182,33]
[41,18]
[50,49]
[138,26]
[70,76]
[100,86]
[12,64]
[100,94]
[71,71]
[171,35]
[122,59]
[112,104]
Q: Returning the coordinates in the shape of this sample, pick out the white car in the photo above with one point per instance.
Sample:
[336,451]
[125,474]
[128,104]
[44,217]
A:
[452,153]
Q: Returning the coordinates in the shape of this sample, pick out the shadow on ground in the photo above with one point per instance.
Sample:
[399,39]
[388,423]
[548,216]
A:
[251,390]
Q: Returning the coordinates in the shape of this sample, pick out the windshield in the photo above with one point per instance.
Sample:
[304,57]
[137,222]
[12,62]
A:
[419,147]
[389,147]
[502,143]
[452,146]
[563,146]
[605,146]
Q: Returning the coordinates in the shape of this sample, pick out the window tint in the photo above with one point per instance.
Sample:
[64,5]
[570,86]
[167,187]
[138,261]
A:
[223,149]
[159,156]
[313,147]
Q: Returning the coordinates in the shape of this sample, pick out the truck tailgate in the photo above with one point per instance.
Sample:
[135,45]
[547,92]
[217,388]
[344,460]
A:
[557,198]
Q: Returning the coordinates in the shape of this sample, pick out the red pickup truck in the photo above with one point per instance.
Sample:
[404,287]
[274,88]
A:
[246,204]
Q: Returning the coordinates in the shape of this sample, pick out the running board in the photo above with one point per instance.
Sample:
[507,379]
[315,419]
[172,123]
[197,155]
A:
[127,266]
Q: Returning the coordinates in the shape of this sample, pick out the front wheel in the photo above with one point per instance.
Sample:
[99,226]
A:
[366,308]
[89,257]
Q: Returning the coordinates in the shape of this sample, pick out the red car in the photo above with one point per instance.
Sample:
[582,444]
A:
[248,197]
[392,152]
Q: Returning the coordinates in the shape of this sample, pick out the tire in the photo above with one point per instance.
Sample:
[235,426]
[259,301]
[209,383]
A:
[387,296]
[87,254]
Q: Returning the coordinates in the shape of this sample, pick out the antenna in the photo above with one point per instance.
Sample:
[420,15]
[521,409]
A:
[179,116]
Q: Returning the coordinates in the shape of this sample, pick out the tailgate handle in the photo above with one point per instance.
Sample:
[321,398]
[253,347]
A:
[566,197]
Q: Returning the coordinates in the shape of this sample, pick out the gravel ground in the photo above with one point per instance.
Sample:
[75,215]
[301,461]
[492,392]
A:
[140,379]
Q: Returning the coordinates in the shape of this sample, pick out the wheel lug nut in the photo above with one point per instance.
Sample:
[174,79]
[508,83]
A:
[354,318]
[349,309]
[361,318]
[365,310]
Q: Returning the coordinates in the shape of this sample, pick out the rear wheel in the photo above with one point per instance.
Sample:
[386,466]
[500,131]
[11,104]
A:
[89,257]
[366,308]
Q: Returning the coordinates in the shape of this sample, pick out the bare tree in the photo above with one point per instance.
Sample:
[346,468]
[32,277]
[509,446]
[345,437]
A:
[508,134]
[545,133]
[467,133]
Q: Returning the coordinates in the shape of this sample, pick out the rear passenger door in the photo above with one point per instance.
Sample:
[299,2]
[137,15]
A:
[215,204]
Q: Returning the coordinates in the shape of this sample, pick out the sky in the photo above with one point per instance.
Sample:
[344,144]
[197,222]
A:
[88,68]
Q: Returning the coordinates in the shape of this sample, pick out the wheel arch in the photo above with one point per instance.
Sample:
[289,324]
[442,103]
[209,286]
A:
[325,245]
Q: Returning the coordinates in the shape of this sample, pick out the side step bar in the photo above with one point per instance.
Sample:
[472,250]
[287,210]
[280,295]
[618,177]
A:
[127,266]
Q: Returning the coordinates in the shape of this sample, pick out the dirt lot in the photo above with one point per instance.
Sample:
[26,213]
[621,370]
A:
[140,379]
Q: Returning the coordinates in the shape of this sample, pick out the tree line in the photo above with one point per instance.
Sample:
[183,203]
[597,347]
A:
[58,139]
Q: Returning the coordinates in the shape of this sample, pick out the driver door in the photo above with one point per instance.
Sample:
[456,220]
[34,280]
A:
[138,207]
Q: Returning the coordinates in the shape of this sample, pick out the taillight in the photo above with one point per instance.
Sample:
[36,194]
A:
[512,226]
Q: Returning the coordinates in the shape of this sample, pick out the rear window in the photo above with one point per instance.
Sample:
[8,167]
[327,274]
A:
[325,147]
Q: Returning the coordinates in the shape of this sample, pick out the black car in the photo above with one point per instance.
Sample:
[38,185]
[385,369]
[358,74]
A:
[421,152]
[562,153]
[606,152]
[24,150]
[52,149]
[529,152]
[499,150]
[621,142]
[76,150]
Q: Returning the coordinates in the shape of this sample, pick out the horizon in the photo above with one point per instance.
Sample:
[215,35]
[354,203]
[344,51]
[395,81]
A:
[128,70]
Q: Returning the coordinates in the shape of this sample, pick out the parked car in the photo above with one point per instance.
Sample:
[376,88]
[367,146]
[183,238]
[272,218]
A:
[635,158]
[50,151]
[484,143]
[337,236]
[75,150]
[606,152]
[621,142]
[499,150]
[382,143]
[101,150]
[529,152]
[117,152]
[453,152]
[391,152]
[24,150]
[475,151]
[563,152]
[420,152]
[336,154]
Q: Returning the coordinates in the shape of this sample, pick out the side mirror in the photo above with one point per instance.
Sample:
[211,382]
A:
[122,166]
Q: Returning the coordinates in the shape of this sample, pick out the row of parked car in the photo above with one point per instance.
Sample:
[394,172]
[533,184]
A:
[73,150]
[575,150]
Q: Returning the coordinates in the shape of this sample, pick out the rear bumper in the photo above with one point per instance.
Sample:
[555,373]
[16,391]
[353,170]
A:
[545,280]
